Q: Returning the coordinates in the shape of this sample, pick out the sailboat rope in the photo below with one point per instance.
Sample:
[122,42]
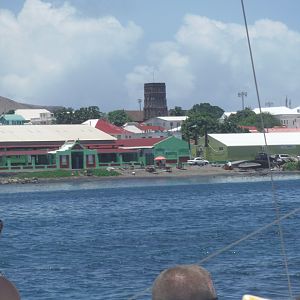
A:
[278,216]
[235,243]
[274,197]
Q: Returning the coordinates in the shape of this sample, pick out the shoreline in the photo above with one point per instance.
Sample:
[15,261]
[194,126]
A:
[189,172]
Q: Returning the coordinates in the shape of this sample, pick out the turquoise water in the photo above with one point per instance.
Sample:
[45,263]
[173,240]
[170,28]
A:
[109,239]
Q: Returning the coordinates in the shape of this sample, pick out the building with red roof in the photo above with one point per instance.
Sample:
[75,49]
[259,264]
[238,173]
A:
[111,129]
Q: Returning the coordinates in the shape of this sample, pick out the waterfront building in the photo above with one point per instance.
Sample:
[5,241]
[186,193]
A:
[245,146]
[155,100]
[173,149]
[74,146]
[27,147]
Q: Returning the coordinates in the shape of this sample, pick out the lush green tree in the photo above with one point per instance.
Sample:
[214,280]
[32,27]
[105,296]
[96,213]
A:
[206,109]
[197,125]
[203,119]
[177,111]
[269,121]
[85,113]
[71,116]
[247,117]
[118,117]
[64,115]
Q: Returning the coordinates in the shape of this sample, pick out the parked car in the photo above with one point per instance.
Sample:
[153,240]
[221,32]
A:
[283,158]
[199,161]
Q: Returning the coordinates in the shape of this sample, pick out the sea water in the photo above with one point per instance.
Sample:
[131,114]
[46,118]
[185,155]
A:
[109,239]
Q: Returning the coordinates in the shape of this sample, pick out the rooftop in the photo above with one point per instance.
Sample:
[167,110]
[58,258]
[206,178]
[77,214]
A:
[49,133]
[173,118]
[277,110]
[138,143]
[106,127]
[29,114]
[257,139]
[13,117]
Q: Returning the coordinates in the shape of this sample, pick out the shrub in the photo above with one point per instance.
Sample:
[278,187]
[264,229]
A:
[291,166]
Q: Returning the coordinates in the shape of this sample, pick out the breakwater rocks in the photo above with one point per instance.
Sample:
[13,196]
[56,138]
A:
[13,180]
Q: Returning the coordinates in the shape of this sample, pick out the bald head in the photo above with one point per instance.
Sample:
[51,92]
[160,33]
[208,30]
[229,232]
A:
[7,290]
[185,282]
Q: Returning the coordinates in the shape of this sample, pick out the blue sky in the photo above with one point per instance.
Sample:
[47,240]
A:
[100,52]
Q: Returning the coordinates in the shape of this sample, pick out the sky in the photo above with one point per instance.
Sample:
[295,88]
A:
[101,52]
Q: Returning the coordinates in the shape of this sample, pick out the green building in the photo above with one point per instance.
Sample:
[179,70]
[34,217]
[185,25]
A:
[245,146]
[11,119]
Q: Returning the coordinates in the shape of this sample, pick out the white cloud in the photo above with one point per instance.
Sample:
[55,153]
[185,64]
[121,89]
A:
[52,55]
[209,60]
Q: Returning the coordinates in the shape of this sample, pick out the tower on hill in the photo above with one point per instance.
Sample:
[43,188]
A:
[155,101]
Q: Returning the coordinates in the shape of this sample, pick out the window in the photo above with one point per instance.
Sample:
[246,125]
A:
[90,159]
[64,160]
[221,148]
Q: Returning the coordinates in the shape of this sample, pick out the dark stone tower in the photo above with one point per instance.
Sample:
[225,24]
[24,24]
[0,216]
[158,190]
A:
[155,101]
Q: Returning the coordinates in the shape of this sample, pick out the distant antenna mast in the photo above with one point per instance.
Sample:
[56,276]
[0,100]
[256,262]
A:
[140,104]
[290,103]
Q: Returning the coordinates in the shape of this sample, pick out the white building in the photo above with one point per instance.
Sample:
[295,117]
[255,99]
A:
[169,122]
[226,115]
[145,131]
[288,117]
[36,116]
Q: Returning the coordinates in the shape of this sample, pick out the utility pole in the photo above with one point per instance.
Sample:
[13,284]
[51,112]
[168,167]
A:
[140,104]
[242,95]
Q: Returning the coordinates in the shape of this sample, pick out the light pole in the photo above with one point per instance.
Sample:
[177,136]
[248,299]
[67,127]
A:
[140,104]
[242,95]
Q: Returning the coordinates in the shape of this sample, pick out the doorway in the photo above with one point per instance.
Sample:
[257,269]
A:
[77,160]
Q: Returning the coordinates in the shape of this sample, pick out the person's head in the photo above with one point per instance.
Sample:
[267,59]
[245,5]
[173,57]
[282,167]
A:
[7,290]
[184,282]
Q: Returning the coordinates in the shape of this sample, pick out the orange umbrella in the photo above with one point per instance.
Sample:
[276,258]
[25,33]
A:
[160,158]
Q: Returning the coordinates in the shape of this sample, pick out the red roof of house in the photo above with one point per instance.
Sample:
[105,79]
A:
[250,128]
[282,129]
[23,152]
[109,128]
[147,142]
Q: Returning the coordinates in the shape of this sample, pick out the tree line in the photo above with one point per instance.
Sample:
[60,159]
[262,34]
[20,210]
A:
[202,119]
[78,116]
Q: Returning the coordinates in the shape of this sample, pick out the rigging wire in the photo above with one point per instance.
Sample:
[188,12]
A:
[275,200]
[231,245]
[278,219]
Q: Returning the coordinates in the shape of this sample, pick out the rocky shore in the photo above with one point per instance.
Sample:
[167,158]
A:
[14,180]
[188,171]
